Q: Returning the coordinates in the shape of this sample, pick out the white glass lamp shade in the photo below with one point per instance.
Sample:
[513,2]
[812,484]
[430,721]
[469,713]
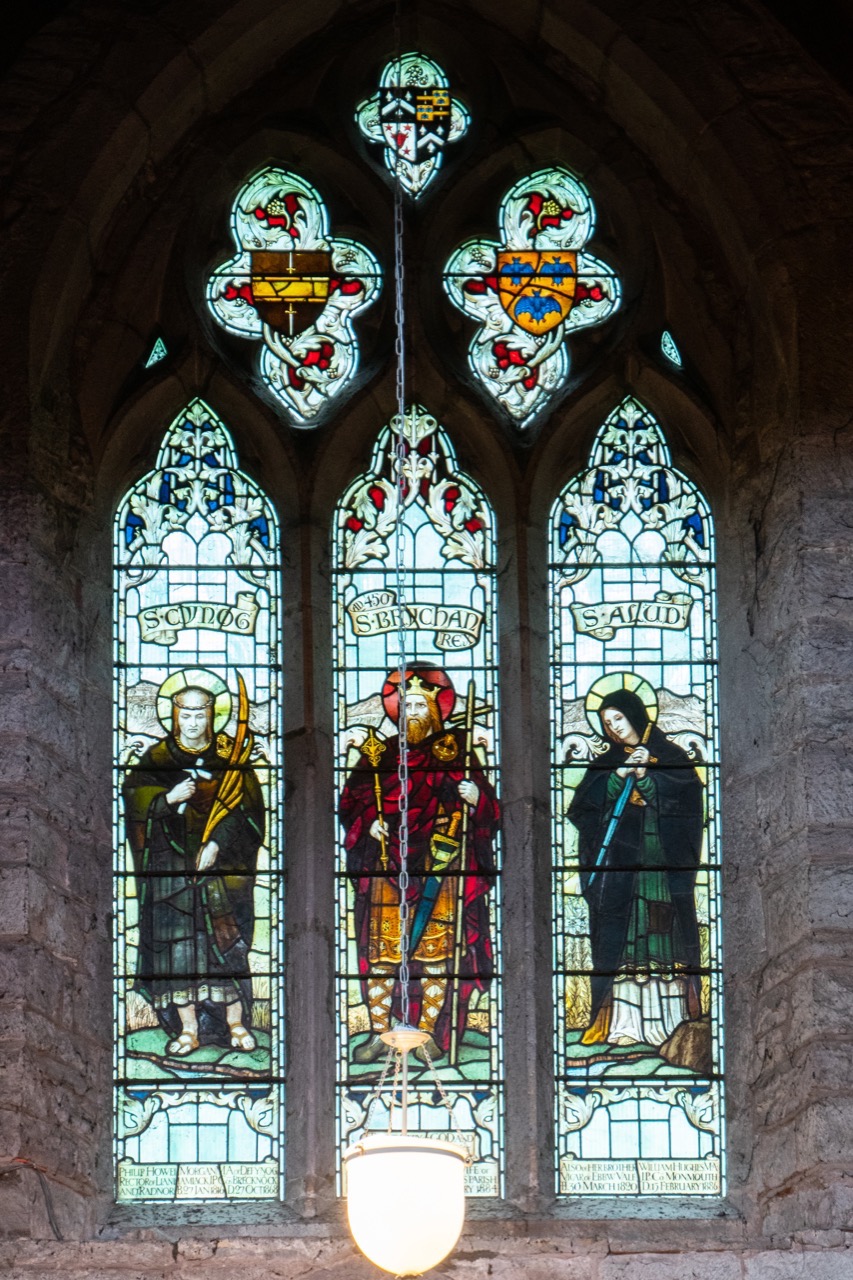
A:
[405,1200]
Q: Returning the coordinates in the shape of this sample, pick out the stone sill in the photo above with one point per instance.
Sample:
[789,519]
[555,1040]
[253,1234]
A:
[712,1222]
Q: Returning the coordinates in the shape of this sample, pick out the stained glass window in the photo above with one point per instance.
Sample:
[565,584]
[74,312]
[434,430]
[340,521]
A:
[529,290]
[296,289]
[157,353]
[451,697]
[414,117]
[635,824]
[670,350]
[198,1044]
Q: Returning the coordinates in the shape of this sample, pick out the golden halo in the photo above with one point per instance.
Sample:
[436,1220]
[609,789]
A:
[198,678]
[604,685]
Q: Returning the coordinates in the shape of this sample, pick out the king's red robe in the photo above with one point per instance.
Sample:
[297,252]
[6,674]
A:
[436,767]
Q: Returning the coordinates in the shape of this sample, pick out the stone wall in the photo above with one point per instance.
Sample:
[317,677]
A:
[719,156]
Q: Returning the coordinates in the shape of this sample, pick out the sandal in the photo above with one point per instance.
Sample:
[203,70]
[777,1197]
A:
[242,1039]
[184,1044]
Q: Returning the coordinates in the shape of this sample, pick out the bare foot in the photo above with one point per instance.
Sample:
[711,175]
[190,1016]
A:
[241,1038]
[184,1044]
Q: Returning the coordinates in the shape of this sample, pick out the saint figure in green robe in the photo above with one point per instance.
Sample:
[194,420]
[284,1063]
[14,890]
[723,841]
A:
[195,822]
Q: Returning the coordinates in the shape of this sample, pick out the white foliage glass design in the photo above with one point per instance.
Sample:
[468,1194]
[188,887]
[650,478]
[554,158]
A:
[635,816]
[532,288]
[670,350]
[296,289]
[199,1067]
[414,117]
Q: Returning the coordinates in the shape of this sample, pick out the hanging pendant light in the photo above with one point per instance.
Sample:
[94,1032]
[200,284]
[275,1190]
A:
[389,1173]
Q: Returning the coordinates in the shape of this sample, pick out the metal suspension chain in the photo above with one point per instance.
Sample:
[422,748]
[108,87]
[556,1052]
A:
[400,582]
[395,1089]
[448,1105]
[373,1100]
[400,456]
[399,566]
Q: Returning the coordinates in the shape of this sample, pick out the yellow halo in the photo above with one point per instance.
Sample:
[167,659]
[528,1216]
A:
[197,678]
[604,685]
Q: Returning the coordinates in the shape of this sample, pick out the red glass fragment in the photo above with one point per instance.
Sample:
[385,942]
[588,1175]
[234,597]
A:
[547,212]
[481,284]
[243,291]
[346,287]
[286,219]
[593,291]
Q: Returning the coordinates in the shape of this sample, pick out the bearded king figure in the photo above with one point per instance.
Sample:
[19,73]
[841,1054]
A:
[450,876]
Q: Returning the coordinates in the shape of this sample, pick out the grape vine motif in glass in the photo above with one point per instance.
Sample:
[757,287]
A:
[414,117]
[635,787]
[199,1073]
[296,289]
[532,288]
[451,693]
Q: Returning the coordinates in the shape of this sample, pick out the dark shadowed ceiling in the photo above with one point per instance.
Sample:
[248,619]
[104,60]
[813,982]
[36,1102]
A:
[823,27]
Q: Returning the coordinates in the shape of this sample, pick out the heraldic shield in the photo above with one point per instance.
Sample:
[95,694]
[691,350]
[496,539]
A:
[537,288]
[290,287]
[417,130]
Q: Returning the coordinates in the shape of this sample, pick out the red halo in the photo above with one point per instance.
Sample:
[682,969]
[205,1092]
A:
[435,676]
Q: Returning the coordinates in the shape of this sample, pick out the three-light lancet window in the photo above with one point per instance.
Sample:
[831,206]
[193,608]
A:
[199,1067]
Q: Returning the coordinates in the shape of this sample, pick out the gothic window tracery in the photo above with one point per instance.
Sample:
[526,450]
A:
[414,116]
[529,290]
[629,522]
[297,289]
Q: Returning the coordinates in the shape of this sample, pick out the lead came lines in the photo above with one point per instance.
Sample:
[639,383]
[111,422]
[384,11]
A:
[674,678]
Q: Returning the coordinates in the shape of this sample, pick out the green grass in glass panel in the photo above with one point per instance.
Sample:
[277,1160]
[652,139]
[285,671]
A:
[146,1058]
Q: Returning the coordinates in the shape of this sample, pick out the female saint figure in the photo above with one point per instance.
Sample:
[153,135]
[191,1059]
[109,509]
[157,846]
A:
[639,815]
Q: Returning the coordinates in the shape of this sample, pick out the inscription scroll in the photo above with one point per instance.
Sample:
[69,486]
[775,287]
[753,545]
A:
[197,1181]
[376,612]
[251,1181]
[680,1177]
[481,1179]
[161,623]
[668,609]
[200,1182]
